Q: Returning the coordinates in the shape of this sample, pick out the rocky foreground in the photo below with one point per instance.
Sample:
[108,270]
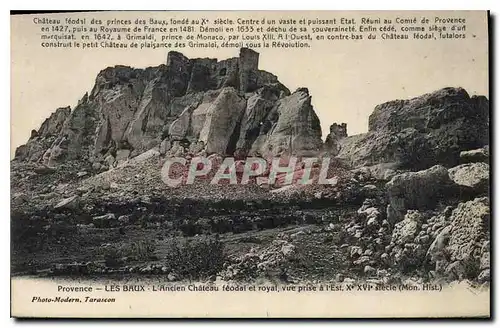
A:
[411,202]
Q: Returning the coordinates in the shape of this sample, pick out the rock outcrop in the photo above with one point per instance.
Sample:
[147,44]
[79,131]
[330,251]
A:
[405,252]
[186,106]
[470,223]
[421,132]
[473,175]
[42,139]
[476,155]
[416,190]
[333,139]
[461,249]
[292,127]
[407,199]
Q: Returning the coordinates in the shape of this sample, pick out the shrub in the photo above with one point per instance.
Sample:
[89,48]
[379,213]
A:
[143,250]
[196,258]
[112,257]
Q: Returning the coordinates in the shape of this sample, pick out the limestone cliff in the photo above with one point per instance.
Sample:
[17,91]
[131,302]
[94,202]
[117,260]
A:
[185,106]
[420,132]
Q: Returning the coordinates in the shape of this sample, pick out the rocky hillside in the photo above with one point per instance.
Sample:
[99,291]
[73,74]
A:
[203,106]
[420,132]
[410,203]
[186,106]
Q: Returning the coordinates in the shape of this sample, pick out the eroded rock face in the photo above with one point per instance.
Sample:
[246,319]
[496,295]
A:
[42,139]
[461,242]
[416,190]
[421,132]
[191,105]
[54,123]
[77,138]
[470,230]
[474,175]
[407,251]
[292,126]
[258,108]
[221,120]
[333,139]
[476,155]
[406,230]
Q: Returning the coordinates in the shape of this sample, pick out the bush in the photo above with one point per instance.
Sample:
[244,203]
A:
[112,257]
[197,258]
[143,250]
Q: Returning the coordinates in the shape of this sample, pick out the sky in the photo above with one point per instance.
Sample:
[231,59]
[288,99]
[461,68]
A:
[346,79]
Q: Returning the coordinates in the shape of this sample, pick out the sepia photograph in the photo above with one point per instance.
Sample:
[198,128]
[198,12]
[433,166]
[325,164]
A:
[250,164]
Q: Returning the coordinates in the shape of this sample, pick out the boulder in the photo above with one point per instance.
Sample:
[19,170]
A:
[409,246]
[165,146]
[421,132]
[476,155]
[436,250]
[368,270]
[380,172]
[44,169]
[81,174]
[124,219]
[416,190]
[474,175]
[288,249]
[68,203]
[122,156]
[406,230]
[455,271]
[105,221]
[19,198]
[110,160]
[484,276]
[485,261]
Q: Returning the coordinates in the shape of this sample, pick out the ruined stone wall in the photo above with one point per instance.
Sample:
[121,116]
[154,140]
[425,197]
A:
[337,133]
[249,64]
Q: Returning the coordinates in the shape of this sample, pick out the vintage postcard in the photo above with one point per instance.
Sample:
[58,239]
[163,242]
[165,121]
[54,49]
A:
[250,164]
